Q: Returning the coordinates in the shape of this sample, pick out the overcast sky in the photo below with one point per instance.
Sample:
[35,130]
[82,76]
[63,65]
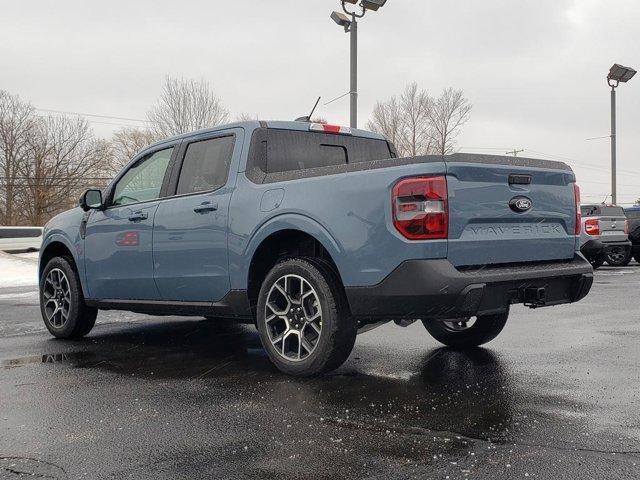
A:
[534,70]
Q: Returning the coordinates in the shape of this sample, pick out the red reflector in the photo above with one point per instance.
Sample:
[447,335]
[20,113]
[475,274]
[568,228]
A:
[420,209]
[576,194]
[127,239]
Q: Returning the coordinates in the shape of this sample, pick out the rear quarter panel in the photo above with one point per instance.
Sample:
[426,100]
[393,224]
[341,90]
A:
[349,213]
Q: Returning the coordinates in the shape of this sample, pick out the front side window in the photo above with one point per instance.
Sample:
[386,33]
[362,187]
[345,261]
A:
[143,181]
[206,165]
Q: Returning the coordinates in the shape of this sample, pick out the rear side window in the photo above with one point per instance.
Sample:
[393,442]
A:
[288,150]
[206,165]
[602,210]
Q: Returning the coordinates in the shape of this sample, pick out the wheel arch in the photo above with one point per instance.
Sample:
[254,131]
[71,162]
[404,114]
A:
[282,239]
[58,246]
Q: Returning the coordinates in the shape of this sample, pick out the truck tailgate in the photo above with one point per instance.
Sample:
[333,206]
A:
[487,224]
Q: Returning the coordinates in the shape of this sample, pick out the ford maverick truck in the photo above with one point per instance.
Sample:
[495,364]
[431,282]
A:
[313,233]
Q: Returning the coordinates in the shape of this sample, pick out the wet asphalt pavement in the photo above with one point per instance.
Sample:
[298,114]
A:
[555,396]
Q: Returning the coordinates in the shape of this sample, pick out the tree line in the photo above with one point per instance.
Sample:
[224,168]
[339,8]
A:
[46,160]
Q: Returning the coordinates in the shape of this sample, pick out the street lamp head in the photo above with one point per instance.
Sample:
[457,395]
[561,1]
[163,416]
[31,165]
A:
[373,5]
[341,19]
[619,73]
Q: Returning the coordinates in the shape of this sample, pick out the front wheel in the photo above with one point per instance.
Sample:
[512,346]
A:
[619,256]
[467,332]
[62,304]
[303,319]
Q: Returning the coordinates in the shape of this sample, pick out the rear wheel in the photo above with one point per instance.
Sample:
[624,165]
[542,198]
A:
[637,257]
[303,319]
[62,304]
[619,256]
[467,332]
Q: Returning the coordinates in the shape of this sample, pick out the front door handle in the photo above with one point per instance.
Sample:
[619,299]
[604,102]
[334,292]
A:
[137,216]
[206,207]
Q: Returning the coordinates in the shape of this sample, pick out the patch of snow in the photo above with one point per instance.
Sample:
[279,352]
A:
[17,272]
[29,255]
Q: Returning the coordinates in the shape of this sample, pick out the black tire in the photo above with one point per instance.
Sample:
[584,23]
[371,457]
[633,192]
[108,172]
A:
[637,257]
[484,329]
[338,329]
[619,256]
[597,261]
[80,318]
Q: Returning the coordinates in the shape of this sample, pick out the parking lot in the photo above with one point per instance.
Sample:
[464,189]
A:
[556,395]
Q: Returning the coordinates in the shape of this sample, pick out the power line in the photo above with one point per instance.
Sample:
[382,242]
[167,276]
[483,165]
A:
[80,114]
[106,123]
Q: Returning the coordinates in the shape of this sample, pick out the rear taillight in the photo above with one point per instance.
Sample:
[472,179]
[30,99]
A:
[420,210]
[592,226]
[576,194]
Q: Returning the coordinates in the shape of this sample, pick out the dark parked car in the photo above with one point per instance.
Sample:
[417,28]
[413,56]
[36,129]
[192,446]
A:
[633,226]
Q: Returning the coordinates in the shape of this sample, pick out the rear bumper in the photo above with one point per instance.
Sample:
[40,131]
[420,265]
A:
[435,289]
[608,246]
[592,248]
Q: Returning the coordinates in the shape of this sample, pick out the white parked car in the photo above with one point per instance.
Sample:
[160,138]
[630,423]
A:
[20,238]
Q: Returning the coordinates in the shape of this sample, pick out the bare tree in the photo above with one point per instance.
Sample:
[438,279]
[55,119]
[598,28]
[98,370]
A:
[63,159]
[416,106]
[449,113]
[185,106]
[245,117]
[387,120]
[125,144]
[405,122]
[16,124]
[418,124]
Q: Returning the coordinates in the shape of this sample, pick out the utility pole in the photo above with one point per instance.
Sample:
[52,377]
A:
[617,74]
[353,89]
[350,24]
[514,152]
[614,195]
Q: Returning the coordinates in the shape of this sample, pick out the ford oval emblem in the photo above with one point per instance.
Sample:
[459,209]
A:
[520,204]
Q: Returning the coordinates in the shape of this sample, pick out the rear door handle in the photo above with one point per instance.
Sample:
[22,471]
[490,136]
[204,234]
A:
[206,207]
[137,216]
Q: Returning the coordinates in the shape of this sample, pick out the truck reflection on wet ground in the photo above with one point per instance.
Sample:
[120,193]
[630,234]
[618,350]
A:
[468,393]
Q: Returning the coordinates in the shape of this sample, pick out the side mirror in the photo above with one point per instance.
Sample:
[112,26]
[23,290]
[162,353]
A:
[91,200]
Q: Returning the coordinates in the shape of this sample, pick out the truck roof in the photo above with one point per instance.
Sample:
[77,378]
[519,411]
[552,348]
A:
[251,125]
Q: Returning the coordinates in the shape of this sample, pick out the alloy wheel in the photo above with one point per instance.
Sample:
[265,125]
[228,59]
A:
[293,317]
[57,298]
[459,324]
[617,255]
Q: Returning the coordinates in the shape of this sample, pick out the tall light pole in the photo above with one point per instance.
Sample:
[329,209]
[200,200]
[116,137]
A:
[349,21]
[617,74]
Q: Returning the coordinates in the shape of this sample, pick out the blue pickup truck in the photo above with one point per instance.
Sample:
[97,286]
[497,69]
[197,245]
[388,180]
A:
[313,233]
